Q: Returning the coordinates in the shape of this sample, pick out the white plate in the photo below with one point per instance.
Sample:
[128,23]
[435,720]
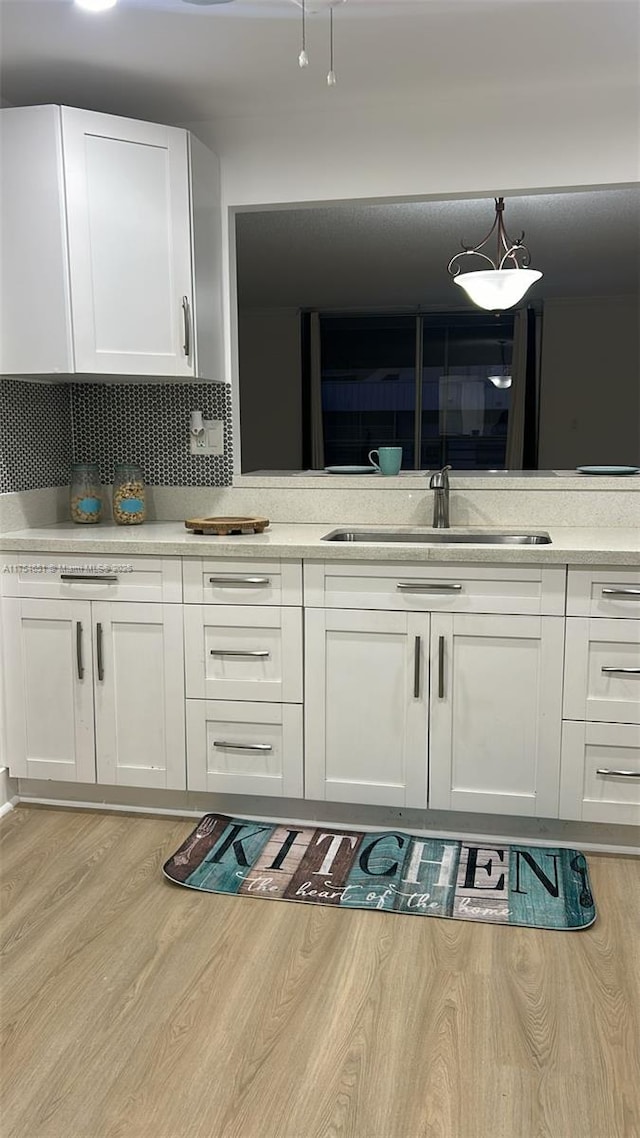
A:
[608,469]
[351,470]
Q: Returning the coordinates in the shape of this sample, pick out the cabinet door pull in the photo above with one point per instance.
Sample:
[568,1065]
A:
[223,745]
[416,668]
[186,319]
[618,774]
[621,592]
[79,650]
[441,667]
[91,577]
[622,671]
[428,586]
[232,581]
[99,651]
[224,652]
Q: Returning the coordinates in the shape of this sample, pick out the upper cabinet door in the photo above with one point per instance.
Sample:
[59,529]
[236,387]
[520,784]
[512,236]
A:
[129,238]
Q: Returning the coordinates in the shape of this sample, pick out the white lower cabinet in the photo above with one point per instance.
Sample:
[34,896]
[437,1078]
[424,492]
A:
[95,692]
[473,702]
[495,713]
[602,670]
[139,695]
[245,748]
[244,652]
[366,700]
[600,772]
[49,689]
[244,680]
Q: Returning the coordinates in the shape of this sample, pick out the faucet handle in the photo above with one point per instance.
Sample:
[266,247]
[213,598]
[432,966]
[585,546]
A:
[440,479]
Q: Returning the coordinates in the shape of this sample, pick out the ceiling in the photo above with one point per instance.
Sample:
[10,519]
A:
[177,62]
[345,256]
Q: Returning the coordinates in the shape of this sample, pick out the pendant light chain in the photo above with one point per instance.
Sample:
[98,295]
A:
[303,58]
[331,77]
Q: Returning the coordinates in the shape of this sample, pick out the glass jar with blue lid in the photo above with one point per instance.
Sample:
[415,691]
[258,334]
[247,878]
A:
[129,495]
[85,493]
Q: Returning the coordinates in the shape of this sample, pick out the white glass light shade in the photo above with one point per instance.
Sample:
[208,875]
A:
[96,5]
[500,380]
[495,289]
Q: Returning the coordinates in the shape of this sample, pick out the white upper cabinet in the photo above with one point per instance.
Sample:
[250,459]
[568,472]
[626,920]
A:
[111,243]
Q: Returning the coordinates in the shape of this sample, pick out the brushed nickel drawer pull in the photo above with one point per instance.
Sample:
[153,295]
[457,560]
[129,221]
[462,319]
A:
[224,652]
[441,667]
[239,580]
[224,746]
[186,319]
[79,650]
[428,586]
[416,668]
[85,577]
[99,651]
[618,774]
[621,592]
[623,671]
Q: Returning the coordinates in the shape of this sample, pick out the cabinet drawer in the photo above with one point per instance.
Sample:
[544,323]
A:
[600,778]
[602,670]
[603,592]
[245,748]
[412,587]
[103,577]
[243,653]
[222,582]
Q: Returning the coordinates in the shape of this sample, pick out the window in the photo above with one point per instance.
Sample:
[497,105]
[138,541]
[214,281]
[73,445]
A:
[416,381]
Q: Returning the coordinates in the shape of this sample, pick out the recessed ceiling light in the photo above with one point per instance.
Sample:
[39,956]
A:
[96,5]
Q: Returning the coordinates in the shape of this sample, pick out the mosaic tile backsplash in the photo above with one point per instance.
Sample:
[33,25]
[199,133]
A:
[35,435]
[146,423]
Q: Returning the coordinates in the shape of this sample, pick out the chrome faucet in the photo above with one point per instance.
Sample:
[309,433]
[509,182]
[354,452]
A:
[439,483]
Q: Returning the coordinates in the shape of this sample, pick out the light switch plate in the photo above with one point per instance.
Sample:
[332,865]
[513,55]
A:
[213,438]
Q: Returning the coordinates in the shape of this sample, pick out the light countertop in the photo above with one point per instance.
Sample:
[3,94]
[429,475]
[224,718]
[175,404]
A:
[569,545]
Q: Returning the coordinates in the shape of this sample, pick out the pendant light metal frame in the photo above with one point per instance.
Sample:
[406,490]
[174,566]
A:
[508,249]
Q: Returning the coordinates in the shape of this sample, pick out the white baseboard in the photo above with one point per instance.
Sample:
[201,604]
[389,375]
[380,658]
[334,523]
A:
[8,792]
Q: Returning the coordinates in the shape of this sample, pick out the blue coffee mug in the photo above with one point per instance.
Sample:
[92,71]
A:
[389,459]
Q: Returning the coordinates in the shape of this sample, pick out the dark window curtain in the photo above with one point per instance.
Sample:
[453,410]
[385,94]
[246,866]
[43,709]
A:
[530,448]
[522,434]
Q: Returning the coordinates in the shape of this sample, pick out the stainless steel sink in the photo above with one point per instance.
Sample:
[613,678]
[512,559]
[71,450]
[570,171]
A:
[439,537]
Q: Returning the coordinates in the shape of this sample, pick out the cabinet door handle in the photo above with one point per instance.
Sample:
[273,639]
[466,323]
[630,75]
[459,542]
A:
[416,668]
[224,652]
[621,592]
[231,581]
[85,577]
[223,745]
[622,671]
[428,586]
[99,651]
[79,650]
[186,319]
[441,667]
[618,774]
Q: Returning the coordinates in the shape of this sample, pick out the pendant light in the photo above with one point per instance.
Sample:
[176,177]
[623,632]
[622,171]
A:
[502,378]
[509,277]
[331,76]
[303,58]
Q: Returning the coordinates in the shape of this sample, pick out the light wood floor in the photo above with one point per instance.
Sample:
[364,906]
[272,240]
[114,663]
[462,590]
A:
[133,1008]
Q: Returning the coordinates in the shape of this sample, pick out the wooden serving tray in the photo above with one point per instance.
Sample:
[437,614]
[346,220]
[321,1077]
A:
[224,527]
